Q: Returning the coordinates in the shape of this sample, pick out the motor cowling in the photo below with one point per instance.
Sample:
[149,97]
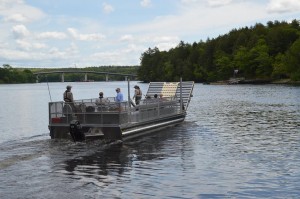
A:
[76,131]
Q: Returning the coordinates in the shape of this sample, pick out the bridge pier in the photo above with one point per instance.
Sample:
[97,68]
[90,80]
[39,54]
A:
[106,77]
[85,77]
[126,77]
[62,77]
[37,79]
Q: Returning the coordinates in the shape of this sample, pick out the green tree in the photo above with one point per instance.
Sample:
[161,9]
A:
[224,64]
[293,60]
[168,71]
[148,63]
[242,62]
[280,38]
[279,67]
[257,52]
[260,60]
[200,75]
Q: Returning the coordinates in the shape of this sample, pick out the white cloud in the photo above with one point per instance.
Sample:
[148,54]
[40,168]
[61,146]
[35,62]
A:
[126,38]
[107,8]
[164,46]
[56,53]
[190,22]
[210,3]
[52,35]
[216,3]
[39,45]
[131,48]
[129,54]
[165,38]
[20,31]
[190,1]
[105,55]
[18,11]
[145,3]
[107,58]
[8,54]
[162,42]
[85,37]
[72,49]
[18,18]
[25,45]
[283,5]
[73,32]
[35,54]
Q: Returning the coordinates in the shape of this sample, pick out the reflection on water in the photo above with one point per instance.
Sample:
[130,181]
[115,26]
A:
[236,142]
[100,166]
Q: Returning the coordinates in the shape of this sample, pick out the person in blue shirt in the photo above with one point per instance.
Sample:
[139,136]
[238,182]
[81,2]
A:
[119,97]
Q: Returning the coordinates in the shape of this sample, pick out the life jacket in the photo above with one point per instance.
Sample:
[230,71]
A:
[66,99]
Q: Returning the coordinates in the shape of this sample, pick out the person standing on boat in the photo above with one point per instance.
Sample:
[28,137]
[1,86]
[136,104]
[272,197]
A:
[119,97]
[137,95]
[68,95]
[69,101]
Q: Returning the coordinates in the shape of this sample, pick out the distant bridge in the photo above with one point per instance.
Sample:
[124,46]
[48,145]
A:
[131,76]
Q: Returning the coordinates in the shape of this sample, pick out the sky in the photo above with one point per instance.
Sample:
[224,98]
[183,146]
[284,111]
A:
[83,33]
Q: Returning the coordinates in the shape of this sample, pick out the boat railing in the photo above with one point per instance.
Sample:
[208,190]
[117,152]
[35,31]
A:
[111,113]
[155,108]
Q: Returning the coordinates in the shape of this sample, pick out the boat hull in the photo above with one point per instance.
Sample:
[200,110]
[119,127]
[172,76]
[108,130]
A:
[117,132]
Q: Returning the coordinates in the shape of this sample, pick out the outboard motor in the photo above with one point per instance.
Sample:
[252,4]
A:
[76,131]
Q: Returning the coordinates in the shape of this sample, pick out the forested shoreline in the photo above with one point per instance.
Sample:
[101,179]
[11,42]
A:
[261,52]
[10,75]
[265,52]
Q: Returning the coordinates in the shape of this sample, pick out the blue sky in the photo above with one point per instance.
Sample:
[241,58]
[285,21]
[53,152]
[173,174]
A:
[77,33]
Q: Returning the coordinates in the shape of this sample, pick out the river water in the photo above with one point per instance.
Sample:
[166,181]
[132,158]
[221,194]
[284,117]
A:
[238,141]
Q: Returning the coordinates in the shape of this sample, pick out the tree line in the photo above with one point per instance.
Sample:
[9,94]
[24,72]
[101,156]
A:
[269,51]
[10,75]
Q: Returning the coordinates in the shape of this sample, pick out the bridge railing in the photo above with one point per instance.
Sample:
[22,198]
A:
[62,73]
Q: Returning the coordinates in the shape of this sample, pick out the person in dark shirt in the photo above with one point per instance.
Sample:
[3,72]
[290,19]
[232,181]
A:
[137,95]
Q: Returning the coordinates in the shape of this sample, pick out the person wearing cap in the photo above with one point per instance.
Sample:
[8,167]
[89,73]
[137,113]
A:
[68,95]
[119,97]
[137,95]
[101,100]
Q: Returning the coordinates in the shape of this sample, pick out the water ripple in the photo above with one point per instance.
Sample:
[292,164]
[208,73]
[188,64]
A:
[236,142]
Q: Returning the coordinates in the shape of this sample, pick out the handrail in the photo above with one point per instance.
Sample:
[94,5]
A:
[111,113]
